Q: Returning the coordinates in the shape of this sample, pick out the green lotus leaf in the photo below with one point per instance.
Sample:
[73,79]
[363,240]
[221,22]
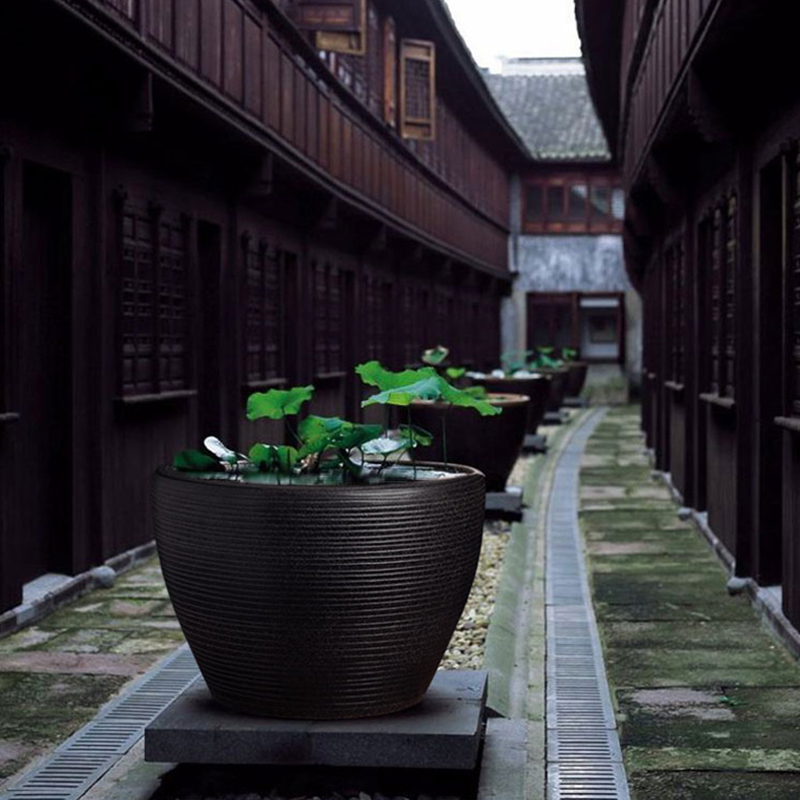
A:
[455,372]
[278,403]
[354,435]
[430,388]
[269,457]
[385,446]
[419,436]
[435,355]
[465,400]
[373,374]
[476,391]
[319,434]
[195,461]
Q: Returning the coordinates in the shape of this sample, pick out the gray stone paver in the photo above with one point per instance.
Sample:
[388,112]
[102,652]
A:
[56,675]
[708,701]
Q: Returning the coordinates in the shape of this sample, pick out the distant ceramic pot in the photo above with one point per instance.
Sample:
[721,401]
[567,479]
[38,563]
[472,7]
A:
[319,602]
[536,388]
[558,387]
[490,444]
[576,377]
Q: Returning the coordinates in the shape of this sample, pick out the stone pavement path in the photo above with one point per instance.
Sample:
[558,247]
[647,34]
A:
[708,700]
[56,675]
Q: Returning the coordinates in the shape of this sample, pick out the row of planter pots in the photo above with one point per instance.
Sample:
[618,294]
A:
[322,601]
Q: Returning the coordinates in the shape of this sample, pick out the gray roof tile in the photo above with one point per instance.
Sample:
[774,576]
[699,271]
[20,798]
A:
[554,115]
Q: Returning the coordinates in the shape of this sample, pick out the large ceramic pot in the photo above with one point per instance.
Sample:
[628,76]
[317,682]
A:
[558,387]
[576,377]
[537,388]
[314,601]
[490,444]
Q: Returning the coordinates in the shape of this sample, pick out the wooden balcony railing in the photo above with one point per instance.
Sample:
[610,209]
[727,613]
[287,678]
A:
[252,62]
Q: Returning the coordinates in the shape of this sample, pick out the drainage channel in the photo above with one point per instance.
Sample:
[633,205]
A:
[77,764]
[584,759]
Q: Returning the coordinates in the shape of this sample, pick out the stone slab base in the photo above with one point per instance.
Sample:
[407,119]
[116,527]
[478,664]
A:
[555,418]
[506,505]
[443,732]
[535,442]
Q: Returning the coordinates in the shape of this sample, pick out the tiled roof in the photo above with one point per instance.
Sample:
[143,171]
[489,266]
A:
[553,113]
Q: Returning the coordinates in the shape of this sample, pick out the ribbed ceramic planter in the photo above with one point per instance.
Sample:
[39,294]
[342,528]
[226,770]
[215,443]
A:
[558,387]
[318,602]
[576,377]
[490,444]
[536,388]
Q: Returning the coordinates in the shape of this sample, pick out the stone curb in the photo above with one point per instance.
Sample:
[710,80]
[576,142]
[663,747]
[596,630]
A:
[763,602]
[27,614]
[507,638]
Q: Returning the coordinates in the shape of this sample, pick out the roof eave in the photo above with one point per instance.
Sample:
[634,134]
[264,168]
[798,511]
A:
[600,31]
[449,32]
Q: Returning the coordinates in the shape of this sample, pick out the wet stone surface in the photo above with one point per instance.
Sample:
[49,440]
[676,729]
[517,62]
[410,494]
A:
[708,701]
[55,676]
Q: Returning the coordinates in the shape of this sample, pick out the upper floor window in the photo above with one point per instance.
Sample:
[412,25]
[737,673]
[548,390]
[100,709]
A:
[577,204]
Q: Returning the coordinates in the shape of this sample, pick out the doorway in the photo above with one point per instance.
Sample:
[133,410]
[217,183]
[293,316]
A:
[768,463]
[44,462]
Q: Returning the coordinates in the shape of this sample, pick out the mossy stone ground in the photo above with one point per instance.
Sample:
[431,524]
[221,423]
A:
[708,700]
[55,676]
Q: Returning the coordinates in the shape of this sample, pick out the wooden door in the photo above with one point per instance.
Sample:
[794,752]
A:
[768,549]
[43,465]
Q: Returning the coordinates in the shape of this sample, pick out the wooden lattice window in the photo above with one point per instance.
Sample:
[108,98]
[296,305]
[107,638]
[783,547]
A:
[264,347]
[409,354]
[153,299]
[417,89]
[172,285]
[328,319]
[793,299]
[729,298]
[377,314]
[717,313]
[5,339]
[374,61]
[676,310]
[339,25]
[389,73]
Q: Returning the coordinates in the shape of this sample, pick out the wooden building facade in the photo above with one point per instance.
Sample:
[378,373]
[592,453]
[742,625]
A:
[697,98]
[203,198]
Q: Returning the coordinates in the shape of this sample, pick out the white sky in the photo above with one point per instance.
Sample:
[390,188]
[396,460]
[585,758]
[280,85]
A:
[539,28]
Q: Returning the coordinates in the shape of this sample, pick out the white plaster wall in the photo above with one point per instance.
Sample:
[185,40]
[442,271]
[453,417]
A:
[570,264]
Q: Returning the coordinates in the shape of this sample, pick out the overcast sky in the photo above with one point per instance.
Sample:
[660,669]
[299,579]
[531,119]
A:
[543,28]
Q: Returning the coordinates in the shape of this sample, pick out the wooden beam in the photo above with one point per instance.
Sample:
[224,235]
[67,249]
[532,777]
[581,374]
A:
[707,119]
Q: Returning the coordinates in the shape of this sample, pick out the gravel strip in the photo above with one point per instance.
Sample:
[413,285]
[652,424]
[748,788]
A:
[467,647]
[520,471]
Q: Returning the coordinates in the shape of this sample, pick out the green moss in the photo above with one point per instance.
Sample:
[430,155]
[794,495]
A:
[714,785]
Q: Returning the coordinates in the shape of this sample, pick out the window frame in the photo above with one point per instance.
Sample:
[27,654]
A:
[544,222]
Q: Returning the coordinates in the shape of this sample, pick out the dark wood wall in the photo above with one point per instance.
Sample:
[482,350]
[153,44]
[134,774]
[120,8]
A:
[157,265]
[709,146]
